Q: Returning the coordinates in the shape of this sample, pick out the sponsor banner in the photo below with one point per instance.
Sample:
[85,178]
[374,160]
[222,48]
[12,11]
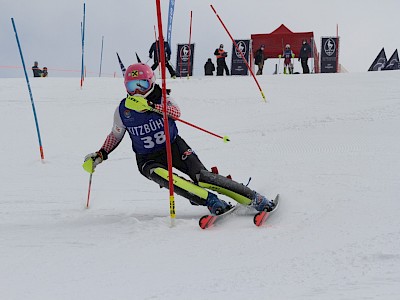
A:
[329,54]
[184,60]
[379,62]
[393,62]
[238,66]
[170,19]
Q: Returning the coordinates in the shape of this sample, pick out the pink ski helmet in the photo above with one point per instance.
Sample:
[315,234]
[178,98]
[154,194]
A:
[139,79]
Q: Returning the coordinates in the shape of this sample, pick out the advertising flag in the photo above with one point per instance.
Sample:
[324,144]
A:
[170,19]
[238,66]
[329,54]
[393,62]
[184,55]
[379,62]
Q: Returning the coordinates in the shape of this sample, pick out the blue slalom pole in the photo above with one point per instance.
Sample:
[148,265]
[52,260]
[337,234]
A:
[83,42]
[30,91]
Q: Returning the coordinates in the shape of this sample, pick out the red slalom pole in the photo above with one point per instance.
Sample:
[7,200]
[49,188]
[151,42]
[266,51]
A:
[225,138]
[165,115]
[190,40]
[237,48]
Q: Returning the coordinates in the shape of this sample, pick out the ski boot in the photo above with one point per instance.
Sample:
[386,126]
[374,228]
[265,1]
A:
[215,205]
[261,203]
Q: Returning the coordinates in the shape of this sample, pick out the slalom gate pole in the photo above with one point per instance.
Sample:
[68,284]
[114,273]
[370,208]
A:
[166,125]
[190,40]
[30,91]
[101,55]
[83,42]
[237,48]
[224,138]
[121,65]
[90,187]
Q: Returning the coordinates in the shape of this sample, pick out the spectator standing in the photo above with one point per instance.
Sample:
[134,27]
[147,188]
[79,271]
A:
[209,68]
[305,53]
[36,71]
[221,64]
[155,49]
[259,59]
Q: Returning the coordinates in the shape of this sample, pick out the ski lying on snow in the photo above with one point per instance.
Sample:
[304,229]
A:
[260,218]
[208,221]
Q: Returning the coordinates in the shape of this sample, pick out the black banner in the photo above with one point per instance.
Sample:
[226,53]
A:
[184,60]
[238,66]
[329,54]
[379,62]
[393,62]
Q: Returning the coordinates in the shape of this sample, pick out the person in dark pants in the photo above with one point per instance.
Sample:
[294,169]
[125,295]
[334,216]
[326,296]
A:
[209,68]
[36,71]
[155,48]
[305,53]
[45,72]
[139,115]
[221,64]
[259,59]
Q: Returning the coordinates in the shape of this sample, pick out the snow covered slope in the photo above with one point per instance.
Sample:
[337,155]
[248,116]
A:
[329,144]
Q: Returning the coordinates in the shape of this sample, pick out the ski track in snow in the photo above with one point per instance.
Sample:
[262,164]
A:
[327,143]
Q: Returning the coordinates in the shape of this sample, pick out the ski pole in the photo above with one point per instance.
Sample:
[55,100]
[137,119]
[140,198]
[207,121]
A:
[241,53]
[90,186]
[88,167]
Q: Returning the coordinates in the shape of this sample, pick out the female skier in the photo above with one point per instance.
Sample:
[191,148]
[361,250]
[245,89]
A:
[139,114]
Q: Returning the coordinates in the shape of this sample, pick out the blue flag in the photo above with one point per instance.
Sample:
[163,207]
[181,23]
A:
[170,18]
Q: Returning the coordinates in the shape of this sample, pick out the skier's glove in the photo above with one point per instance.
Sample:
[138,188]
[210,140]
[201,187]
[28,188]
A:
[138,103]
[93,159]
[151,56]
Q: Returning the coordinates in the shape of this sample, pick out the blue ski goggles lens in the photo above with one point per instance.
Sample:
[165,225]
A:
[141,85]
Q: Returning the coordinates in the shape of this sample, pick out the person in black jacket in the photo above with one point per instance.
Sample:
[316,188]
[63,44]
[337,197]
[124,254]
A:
[209,68]
[45,72]
[259,59]
[155,48]
[305,53]
[221,64]
[36,71]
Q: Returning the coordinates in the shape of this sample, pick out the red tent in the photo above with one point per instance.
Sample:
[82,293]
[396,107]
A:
[276,41]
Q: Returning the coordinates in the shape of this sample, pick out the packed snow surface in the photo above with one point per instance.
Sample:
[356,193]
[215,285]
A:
[328,143]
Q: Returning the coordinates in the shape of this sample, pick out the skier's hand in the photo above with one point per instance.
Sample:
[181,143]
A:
[151,56]
[293,55]
[138,103]
[280,56]
[92,160]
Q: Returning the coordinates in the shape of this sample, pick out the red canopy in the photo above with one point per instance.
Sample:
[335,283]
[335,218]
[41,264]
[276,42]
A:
[276,41]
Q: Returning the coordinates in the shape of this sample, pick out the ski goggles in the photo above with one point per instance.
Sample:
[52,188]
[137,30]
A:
[141,85]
